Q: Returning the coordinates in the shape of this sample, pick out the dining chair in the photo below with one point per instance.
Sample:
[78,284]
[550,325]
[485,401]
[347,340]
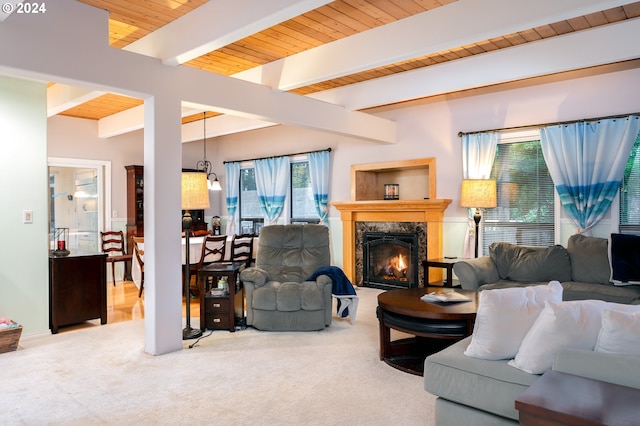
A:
[242,249]
[213,250]
[112,243]
[139,254]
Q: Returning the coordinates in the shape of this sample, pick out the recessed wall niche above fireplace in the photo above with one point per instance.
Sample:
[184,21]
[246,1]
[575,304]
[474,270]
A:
[417,205]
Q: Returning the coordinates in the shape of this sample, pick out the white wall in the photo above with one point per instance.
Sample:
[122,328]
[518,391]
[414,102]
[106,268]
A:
[24,276]
[430,129]
[425,129]
[77,138]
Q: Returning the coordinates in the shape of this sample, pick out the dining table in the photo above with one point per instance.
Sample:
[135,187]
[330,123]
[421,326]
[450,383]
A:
[195,251]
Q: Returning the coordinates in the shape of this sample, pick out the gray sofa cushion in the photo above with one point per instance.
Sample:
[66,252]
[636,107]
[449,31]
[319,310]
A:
[589,259]
[492,386]
[522,263]
[608,292]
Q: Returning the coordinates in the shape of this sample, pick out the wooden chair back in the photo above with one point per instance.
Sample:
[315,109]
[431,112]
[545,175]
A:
[213,249]
[139,254]
[112,243]
[242,248]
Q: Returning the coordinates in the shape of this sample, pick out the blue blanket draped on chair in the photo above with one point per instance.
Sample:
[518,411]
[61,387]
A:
[341,284]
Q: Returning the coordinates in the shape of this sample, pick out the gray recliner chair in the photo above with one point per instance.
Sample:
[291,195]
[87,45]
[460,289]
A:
[278,297]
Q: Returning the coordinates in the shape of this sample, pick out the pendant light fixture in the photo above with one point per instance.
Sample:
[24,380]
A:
[204,165]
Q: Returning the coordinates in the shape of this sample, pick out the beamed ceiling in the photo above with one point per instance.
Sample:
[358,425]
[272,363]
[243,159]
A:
[337,51]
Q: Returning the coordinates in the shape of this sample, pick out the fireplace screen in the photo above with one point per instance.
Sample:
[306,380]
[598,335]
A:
[390,260]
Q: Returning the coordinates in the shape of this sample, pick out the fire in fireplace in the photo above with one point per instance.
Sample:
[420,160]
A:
[390,260]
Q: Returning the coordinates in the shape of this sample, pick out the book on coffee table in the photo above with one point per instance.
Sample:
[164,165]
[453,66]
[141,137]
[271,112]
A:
[445,297]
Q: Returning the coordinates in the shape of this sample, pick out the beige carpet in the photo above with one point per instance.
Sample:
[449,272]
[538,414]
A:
[101,375]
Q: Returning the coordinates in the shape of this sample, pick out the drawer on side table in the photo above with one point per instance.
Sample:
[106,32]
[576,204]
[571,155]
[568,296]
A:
[216,313]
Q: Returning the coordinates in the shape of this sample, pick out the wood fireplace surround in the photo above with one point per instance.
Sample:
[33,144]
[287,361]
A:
[417,203]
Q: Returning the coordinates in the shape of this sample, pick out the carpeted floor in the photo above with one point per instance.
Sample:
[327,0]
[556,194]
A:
[101,375]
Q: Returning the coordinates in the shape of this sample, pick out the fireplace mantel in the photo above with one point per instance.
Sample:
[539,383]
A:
[429,211]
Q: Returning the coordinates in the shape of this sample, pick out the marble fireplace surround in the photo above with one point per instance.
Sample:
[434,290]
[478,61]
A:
[417,228]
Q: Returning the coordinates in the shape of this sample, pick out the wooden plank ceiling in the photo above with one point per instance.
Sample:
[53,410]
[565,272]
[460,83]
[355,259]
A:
[129,20]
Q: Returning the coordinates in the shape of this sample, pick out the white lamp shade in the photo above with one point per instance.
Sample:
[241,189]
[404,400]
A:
[195,194]
[478,193]
[214,185]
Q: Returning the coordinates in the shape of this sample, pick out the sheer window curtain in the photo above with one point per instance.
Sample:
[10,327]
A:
[272,182]
[478,155]
[319,173]
[232,171]
[586,161]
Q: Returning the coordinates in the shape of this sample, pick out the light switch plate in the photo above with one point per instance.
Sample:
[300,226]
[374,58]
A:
[27,216]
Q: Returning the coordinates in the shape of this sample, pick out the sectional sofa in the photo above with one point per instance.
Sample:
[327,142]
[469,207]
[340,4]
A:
[474,391]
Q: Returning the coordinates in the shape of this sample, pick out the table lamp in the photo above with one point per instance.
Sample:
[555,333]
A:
[195,196]
[478,193]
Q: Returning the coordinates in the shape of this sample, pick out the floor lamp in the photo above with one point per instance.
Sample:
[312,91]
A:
[195,196]
[478,193]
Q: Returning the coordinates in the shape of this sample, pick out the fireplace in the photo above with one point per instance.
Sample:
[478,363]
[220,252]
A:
[388,254]
[390,260]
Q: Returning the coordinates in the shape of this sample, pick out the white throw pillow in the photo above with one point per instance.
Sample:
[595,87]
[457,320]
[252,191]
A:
[505,316]
[620,333]
[573,324]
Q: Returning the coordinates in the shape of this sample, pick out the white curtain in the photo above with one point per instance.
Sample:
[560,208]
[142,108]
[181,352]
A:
[272,182]
[586,161]
[478,154]
[233,188]
[319,172]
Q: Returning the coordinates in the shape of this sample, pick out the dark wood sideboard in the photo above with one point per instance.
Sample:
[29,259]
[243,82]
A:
[77,289]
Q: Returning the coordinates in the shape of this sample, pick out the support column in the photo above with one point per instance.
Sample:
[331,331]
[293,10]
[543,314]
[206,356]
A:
[162,219]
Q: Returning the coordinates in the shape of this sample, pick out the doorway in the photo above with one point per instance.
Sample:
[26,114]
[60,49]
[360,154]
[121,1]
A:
[79,194]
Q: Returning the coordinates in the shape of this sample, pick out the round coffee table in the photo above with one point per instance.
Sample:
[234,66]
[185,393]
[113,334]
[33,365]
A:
[433,325]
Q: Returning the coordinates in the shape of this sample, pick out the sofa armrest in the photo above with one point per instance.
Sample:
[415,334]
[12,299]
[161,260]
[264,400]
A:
[472,273]
[612,368]
[256,276]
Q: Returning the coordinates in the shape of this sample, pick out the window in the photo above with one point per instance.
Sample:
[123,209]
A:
[303,209]
[251,219]
[525,211]
[630,193]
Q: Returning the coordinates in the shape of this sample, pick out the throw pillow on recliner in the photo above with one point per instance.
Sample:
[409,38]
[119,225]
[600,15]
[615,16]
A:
[531,264]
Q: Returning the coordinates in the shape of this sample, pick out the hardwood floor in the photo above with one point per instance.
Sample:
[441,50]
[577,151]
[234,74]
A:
[123,303]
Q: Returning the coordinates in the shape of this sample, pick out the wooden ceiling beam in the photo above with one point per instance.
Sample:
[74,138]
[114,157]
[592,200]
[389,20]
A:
[607,44]
[216,24]
[444,28]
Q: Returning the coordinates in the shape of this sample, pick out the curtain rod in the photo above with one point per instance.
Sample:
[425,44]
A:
[559,123]
[275,156]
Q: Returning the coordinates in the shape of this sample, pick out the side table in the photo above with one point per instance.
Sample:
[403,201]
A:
[442,262]
[565,399]
[220,312]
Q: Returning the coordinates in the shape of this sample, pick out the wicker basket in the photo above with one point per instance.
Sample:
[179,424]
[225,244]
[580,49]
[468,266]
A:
[9,338]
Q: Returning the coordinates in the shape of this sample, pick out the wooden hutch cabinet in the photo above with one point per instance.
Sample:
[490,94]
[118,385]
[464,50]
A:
[135,202]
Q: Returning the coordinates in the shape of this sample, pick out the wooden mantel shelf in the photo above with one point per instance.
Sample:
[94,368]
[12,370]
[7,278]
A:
[393,205]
